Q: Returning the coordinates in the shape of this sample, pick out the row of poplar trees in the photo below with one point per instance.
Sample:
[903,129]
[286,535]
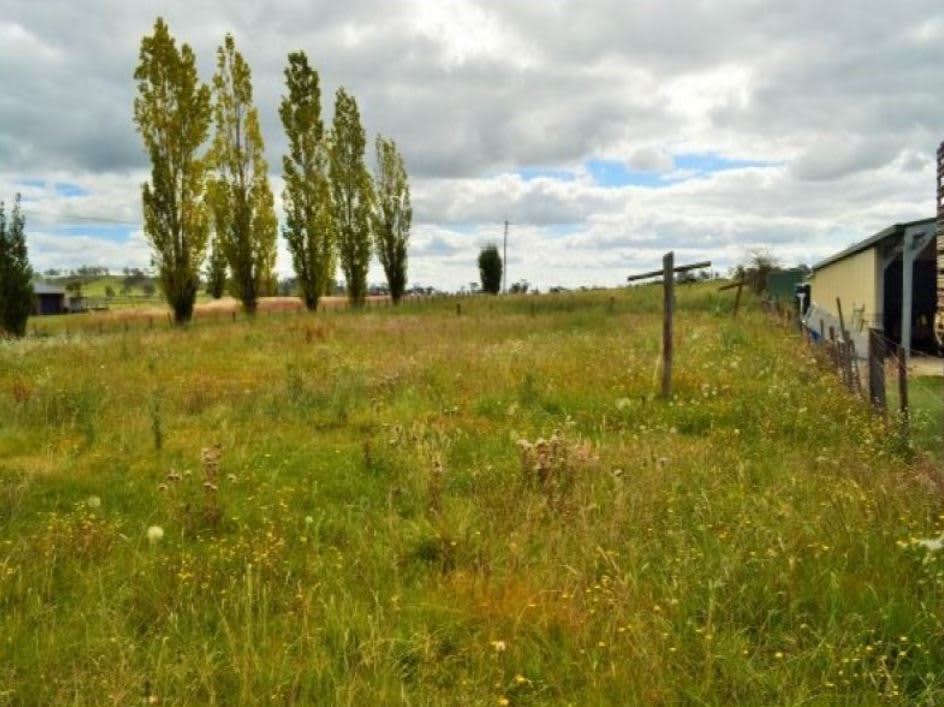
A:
[219,199]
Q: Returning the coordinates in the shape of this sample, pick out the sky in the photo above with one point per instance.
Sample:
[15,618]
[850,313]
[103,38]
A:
[606,132]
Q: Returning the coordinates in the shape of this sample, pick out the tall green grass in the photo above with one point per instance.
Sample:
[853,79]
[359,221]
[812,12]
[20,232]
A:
[424,508]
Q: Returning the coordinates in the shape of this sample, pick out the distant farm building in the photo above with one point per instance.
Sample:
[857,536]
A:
[48,299]
[781,284]
[870,280]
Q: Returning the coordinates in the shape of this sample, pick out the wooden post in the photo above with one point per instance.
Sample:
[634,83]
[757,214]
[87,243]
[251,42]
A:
[233,313]
[668,299]
[458,309]
[737,299]
[877,371]
[842,321]
[612,304]
[841,361]
[822,330]
[855,381]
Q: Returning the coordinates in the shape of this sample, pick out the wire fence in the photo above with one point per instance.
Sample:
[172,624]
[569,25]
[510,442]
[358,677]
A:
[906,391]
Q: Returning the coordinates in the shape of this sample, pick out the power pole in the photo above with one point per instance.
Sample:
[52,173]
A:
[505,261]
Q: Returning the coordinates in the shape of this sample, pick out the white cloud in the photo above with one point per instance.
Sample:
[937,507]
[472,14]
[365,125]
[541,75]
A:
[839,98]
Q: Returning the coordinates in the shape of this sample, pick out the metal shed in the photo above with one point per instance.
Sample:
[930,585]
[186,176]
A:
[878,279]
[48,299]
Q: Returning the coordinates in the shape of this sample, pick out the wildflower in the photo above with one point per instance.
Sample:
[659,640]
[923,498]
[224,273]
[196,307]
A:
[499,646]
[93,502]
[154,534]
[309,520]
[521,679]
[931,544]
[503,701]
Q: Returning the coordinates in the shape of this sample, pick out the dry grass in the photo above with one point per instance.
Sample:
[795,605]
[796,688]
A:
[414,507]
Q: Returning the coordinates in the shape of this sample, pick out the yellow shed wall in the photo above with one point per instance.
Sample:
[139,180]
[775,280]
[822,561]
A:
[855,281]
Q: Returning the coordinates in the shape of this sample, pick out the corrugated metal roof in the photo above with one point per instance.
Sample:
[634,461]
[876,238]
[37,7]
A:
[896,231]
[44,288]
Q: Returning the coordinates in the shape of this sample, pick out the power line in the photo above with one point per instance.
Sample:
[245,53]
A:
[68,220]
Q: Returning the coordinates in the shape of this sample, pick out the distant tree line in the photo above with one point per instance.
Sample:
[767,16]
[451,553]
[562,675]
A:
[208,202]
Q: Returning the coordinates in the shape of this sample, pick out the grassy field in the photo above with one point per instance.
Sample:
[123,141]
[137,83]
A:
[95,288]
[926,401]
[414,507]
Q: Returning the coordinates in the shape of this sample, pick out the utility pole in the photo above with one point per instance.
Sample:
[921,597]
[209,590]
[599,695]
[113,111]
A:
[505,261]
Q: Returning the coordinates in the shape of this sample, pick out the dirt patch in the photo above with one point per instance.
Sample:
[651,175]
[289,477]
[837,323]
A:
[228,305]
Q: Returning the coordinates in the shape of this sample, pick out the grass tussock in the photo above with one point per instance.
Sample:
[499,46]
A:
[409,506]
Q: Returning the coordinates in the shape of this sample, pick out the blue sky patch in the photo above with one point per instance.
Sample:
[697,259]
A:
[708,163]
[561,175]
[611,173]
[104,231]
[68,190]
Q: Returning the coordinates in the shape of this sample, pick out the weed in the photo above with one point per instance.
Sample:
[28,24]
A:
[157,424]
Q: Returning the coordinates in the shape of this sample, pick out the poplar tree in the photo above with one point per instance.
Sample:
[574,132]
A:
[490,269]
[307,195]
[392,215]
[216,270]
[16,275]
[172,113]
[243,206]
[352,195]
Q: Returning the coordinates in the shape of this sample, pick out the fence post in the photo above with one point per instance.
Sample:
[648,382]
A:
[832,346]
[877,371]
[855,381]
[458,309]
[668,298]
[737,299]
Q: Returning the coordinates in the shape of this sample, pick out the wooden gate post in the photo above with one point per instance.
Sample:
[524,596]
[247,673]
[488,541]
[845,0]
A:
[877,371]
[668,293]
